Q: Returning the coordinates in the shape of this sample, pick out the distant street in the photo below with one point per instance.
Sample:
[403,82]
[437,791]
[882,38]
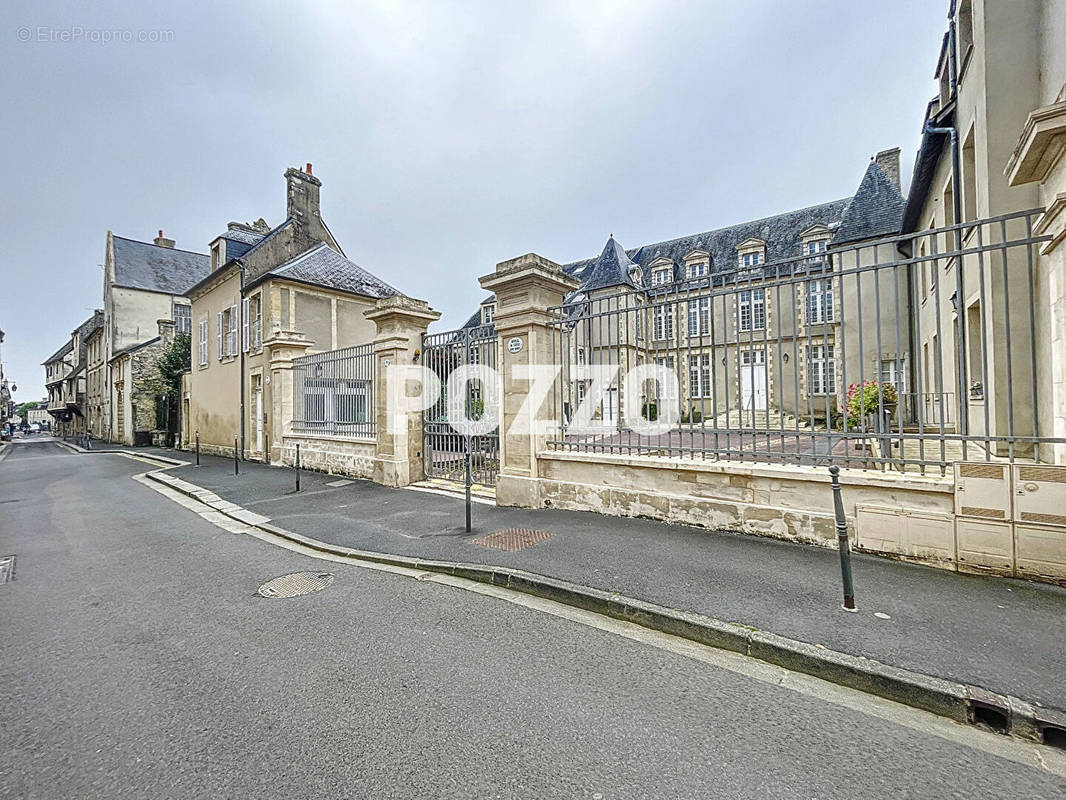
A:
[138,662]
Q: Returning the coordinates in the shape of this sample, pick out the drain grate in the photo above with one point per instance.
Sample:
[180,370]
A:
[512,539]
[7,569]
[295,584]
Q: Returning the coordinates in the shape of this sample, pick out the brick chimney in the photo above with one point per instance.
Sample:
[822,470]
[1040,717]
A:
[162,241]
[888,161]
[302,194]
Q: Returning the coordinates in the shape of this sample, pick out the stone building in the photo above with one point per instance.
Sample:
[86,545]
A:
[749,317]
[268,290]
[66,379]
[1001,79]
[143,284]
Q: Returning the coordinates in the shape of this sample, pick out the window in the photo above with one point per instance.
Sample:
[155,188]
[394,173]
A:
[751,259]
[699,375]
[821,369]
[892,372]
[664,321]
[699,316]
[819,301]
[203,343]
[257,321]
[231,331]
[251,323]
[581,355]
[660,277]
[698,269]
[752,310]
[220,335]
[182,318]
[336,406]
[488,314]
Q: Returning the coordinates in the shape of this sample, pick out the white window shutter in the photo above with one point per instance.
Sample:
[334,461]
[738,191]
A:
[221,350]
[231,339]
[244,324]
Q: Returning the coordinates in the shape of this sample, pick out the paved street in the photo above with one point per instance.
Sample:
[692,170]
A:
[138,662]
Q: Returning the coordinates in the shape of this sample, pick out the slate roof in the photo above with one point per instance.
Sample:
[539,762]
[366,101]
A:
[875,210]
[780,232]
[58,354]
[140,265]
[612,268]
[323,266]
[239,242]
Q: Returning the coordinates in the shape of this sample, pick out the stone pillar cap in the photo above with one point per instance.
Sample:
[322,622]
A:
[404,306]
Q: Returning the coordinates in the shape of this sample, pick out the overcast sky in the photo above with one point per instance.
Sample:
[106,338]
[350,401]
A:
[448,135]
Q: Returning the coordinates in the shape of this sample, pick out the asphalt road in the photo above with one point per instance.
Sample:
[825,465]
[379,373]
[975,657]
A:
[136,661]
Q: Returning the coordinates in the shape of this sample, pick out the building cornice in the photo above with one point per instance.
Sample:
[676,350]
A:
[1040,145]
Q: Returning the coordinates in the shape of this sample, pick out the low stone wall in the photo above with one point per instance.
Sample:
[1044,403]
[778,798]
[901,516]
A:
[785,502]
[335,455]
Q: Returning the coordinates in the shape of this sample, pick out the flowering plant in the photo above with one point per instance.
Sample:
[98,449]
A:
[865,398]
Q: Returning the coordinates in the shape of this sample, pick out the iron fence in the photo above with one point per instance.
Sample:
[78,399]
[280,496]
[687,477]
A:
[905,353]
[333,392]
[445,449]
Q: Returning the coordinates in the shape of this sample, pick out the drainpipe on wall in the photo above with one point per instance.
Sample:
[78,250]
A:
[956,204]
[240,347]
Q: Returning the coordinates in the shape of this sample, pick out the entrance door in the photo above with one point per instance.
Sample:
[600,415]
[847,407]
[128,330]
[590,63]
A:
[753,380]
[257,392]
[610,407]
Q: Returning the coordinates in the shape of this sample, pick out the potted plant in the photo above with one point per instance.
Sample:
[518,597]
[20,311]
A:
[864,399]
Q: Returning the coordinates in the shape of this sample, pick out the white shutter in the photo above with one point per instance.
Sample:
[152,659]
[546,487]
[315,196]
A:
[203,342]
[231,338]
[244,324]
[221,351]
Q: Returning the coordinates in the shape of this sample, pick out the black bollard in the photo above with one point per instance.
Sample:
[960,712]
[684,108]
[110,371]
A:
[297,466]
[236,460]
[198,448]
[842,542]
[469,481]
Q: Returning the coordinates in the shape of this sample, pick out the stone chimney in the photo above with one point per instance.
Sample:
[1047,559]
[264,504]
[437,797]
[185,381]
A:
[162,241]
[888,161]
[166,330]
[302,194]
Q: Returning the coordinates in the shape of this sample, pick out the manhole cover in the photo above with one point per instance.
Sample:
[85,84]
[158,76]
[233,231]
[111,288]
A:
[7,569]
[512,539]
[295,584]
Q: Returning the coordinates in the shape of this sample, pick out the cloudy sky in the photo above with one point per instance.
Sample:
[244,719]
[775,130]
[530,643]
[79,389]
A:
[448,135]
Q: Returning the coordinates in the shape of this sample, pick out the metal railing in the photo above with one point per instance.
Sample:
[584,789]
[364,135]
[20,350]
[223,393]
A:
[447,453]
[863,356]
[333,392]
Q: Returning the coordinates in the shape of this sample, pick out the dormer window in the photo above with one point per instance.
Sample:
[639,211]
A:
[698,269]
[751,253]
[661,277]
[488,313]
[218,255]
[751,260]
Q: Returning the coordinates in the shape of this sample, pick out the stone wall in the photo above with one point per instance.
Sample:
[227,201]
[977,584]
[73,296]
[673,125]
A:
[331,454]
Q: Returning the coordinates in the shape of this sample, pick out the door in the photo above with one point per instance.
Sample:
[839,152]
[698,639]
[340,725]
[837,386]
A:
[753,380]
[610,407]
[257,404]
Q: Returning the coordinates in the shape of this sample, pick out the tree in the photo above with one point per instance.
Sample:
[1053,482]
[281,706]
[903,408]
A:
[23,410]
[164,380]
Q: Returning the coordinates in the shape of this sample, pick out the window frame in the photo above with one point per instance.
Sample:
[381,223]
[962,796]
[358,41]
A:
[749,305]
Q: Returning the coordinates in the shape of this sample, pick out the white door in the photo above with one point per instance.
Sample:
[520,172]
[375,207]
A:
[258,414]
[753,380]
[610,407]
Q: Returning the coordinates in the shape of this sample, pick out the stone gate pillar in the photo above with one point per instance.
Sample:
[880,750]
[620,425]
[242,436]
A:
[525,288]
[400,322]
[283,347]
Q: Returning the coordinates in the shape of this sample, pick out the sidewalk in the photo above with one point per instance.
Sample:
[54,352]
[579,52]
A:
[1005,635]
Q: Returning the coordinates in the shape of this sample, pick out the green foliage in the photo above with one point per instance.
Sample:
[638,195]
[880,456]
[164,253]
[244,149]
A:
[867,397]
[175,359]
[694,417]
[650,412]
[23,409]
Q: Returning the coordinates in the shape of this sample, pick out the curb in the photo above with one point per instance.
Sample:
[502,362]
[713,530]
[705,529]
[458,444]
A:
[172,462]
[958,701]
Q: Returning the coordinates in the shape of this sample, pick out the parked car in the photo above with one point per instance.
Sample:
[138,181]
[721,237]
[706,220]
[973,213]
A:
[35,428]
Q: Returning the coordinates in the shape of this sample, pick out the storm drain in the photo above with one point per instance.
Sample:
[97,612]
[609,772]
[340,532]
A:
[295,584]
[512,539]
[7,569]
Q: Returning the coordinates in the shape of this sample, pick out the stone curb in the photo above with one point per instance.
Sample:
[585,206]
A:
[958,701]
[173,462]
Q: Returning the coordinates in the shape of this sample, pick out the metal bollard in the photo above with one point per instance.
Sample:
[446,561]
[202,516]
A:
[297,466]
[842,542]
[236,460]
[266,448]
[469,480]
[198,448]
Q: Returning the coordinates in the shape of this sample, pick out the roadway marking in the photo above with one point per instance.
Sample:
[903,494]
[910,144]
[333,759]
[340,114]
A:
[1030,754]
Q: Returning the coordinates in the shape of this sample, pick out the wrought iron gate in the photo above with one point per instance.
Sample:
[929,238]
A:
[445,451]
